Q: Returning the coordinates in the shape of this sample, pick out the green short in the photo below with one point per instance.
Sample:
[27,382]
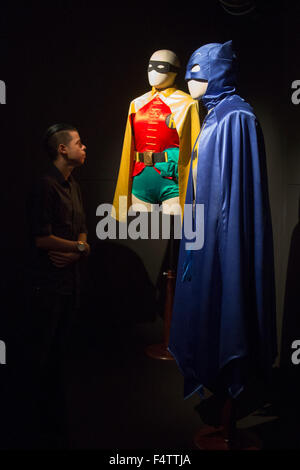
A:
[150,186]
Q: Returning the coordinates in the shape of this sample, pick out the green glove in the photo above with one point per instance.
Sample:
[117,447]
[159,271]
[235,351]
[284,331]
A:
[169,168]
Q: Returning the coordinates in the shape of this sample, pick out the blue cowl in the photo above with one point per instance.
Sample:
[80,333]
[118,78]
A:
[217,64]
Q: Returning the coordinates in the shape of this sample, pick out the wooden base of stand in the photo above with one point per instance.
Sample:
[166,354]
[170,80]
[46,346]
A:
[159,351]
[212,438]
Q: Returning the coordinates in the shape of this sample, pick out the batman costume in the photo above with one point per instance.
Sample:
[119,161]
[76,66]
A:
[223,325]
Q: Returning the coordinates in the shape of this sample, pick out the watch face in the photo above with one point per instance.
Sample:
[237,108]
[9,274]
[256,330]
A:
[81,246]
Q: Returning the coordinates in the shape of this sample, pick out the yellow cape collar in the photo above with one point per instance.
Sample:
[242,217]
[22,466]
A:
[165,92]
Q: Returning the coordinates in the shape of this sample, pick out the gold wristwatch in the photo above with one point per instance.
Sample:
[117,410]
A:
[81,246]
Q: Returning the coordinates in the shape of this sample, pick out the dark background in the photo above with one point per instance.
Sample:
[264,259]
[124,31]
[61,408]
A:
[78,63]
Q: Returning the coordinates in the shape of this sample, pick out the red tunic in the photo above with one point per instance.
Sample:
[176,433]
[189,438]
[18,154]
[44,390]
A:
[153,129]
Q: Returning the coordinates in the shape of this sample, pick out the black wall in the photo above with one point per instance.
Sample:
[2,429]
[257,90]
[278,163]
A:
[83,64]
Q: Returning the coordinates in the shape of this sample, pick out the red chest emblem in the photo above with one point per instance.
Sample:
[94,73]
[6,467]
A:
[154,128]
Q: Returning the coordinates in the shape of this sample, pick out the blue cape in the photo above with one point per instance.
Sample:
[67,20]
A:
[223,325]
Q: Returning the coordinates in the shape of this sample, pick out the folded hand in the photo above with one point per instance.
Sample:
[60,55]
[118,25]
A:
[60,259]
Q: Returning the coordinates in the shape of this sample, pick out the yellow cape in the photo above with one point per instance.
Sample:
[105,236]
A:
[186,117]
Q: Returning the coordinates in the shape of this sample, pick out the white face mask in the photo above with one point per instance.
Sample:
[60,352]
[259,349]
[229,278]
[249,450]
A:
[197,88]
[162,69]
[161,80]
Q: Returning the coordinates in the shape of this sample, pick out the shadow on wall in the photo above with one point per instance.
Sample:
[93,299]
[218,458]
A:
[291,319]
[117,290]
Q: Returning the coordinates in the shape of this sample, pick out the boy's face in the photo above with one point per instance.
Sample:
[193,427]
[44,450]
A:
[75,150]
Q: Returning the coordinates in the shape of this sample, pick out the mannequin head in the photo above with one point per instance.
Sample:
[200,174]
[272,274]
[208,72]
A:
[197,88]
[211,72]
[163,68]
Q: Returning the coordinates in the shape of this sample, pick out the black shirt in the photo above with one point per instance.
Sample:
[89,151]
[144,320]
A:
[56,209]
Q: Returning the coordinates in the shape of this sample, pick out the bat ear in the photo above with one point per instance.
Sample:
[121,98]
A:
[226,51]
[227,44]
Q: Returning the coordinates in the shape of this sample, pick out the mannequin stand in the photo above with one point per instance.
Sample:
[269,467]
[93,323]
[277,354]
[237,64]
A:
[160,351]
[226,436]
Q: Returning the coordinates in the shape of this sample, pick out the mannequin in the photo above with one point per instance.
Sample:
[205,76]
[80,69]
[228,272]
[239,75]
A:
[223,327]
[162,71]
[161,129]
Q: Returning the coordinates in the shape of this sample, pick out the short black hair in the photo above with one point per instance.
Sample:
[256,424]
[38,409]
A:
[54,136]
